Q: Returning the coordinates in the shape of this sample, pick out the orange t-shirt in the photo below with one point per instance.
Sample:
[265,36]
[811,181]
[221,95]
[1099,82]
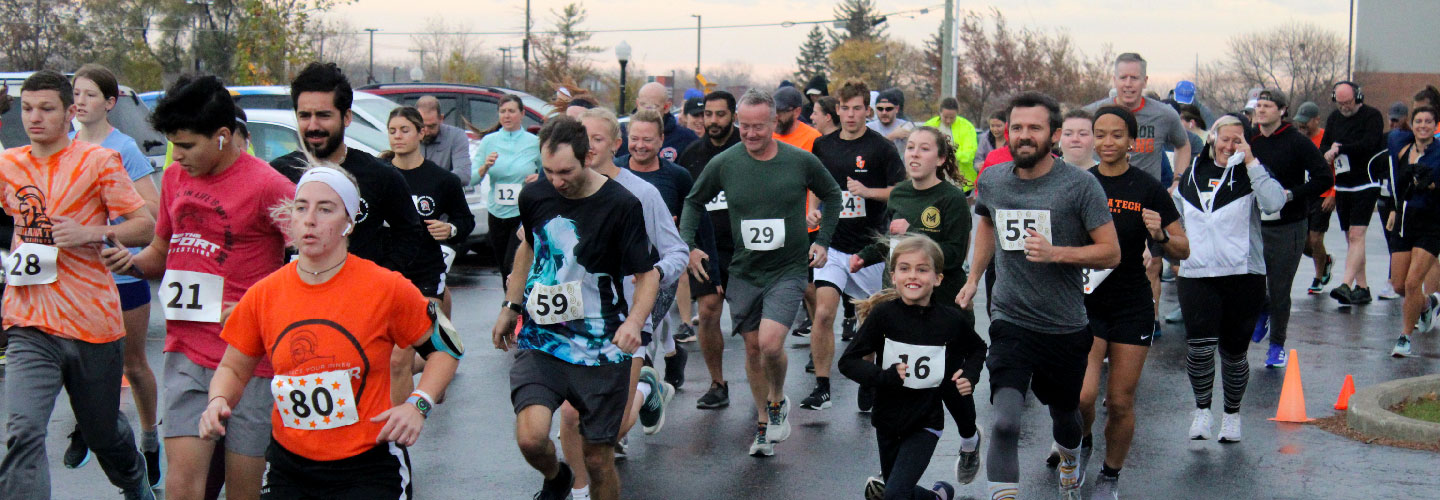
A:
[802,136]
[88,184]
[330,345]
[1316,138]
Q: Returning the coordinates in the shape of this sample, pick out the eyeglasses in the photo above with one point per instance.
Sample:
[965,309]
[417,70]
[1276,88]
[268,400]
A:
[884,109]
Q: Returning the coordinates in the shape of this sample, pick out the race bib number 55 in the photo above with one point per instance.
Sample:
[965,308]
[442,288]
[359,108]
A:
[925,364]
[550,304]
[1012,226]
[31,264]
[315,402]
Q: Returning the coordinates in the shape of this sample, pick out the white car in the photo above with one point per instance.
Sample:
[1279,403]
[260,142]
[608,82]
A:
[275,133]
[371,111]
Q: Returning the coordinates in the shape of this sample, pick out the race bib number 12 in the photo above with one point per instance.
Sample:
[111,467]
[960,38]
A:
[925,364]
[550,304]
[31,264]
[763,234]
[315,402]
[192,296]
[1012,226]
[507,194]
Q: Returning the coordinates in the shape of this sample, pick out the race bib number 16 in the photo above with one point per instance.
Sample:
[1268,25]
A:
[925,364]
[1012,226]
[315,402]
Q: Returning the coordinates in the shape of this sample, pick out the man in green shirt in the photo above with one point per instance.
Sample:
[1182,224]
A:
[765,183]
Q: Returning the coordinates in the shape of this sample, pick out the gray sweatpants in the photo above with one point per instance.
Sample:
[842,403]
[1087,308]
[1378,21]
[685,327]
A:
[39,365]
[1284,246]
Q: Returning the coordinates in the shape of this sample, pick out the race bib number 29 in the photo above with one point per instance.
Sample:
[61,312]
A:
[550,304]
[315,402]
[763,234]
[1012,226]
[925,364]
[31,264]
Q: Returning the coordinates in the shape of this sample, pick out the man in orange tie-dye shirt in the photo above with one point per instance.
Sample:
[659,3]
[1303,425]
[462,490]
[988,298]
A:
[61,308]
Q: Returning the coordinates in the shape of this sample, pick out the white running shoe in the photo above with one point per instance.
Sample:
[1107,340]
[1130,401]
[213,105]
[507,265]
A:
[779,427]
[1106,488]
[761,447]
[1230,428]
[1071,477]
[1200,425]
[874,488]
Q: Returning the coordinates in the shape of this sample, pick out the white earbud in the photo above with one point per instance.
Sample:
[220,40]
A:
[348,228]
[222,143]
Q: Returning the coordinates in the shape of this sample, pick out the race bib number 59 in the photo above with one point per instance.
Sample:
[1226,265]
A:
[925,364]
[1012,226]
[31,264]
[315,402]
[550,304]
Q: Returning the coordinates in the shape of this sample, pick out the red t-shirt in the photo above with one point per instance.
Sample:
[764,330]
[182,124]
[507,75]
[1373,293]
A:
[331,345]
[219,225]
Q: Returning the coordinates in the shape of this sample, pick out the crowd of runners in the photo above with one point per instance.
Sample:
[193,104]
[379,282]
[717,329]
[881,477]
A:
[307,330]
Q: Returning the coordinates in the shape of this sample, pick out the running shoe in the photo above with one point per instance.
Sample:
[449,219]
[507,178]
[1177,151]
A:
[968,463]
[847,329]
[866,399]
[819,399]
[717,397]
[1329,265]
[874,488]
[1071,477]
[779,428]
[1157,332]
[1387,293]
[810,366]
[802,331]
[761,447]
[1427,317]
[1276,356]
[1360,295]
[557,488]
[685,333]
[675,368]
[622,448]
[1402,347]
[1230,428]
[77,454]
[143,490]
[943,490]
[1315,288]
[1175,316]
[152,464]
[1200,425]
[652,411]
[1262,327]
[695,320]
[1106,488]
[1341,294]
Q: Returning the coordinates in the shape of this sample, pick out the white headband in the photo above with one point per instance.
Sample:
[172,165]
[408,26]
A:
[337,181]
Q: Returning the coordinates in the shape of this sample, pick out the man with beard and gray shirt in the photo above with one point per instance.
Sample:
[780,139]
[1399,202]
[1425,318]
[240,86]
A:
[889,107]
[1049,220]
[445,144]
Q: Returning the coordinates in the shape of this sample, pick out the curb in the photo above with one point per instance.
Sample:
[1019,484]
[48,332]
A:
[1369,411]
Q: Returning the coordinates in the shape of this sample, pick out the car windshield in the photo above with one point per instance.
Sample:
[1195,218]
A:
[133,119]
[378,108]
[369,137]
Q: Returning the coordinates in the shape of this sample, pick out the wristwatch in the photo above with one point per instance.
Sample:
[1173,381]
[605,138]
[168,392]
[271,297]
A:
[513,306]
[453,230]
[421,403]
[1167,237]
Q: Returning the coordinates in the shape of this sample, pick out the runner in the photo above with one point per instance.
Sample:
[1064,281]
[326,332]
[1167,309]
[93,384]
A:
[960,130]
[694,116]
[1038,329]
[1117,301]
[1222,283]
[436,192]
[214,239]
[790,130]
[575,345]
[1295,162]
[889,108]
[1354,133]
[993,139]
[867,164]
[826,117]
[334,431]
[929,352]
[709,292]
[96,92]
[511,157]
[1415,195]
[1077,139]
[655,96]
[444,144]
[767,182]
[1319,213]
[64,323]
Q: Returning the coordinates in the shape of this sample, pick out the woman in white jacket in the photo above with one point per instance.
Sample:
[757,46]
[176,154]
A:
[1222,283]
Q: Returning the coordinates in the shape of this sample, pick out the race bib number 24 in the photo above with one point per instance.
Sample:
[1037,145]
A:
[315,402]
[1012,226]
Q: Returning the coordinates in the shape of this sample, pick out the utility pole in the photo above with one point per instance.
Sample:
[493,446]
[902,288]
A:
[1350,43]
[525,46]
[947,51]
[697,47]
[371,77]
[505,66]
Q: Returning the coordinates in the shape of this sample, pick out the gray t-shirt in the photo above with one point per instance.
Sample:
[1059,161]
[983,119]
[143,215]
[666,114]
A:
[894,125]
[1066,203]
[1160,126]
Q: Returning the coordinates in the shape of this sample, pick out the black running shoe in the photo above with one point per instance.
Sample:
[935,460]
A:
[866,399]
[152,465]
[1341,294]
[803,330]
[810,366]
[559,487]
[675,368]
[685,333]
[847,329]
[1360,295]
[819,399]
[77,454]
[717,397]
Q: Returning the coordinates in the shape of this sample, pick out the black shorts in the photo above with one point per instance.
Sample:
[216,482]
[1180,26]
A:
[719,271]
[597,392]
[1133,323]
[1319,218]
[1354,208]
[1052,365]
[381,473]
[1393,242]
[1418,231]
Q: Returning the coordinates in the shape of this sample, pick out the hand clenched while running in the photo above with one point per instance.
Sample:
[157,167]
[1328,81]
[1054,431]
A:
[627,337]
[1037,248]
[503,335]
[403,424]
[962,384]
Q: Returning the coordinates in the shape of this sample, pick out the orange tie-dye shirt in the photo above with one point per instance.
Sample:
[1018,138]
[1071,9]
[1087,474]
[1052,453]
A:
[88,184]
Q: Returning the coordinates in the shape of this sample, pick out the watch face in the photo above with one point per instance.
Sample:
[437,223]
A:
[423,405]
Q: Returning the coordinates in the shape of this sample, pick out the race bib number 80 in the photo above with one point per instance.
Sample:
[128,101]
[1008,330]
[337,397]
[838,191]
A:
[550,304]
[763,234]
[1012,226]
[315,402]
[31,264]
[925,364]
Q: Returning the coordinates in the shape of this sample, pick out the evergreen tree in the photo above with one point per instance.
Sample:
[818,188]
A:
[859,19]
[814,56]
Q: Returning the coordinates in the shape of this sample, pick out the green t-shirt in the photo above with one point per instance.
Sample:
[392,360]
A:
[766,200]
[941,213]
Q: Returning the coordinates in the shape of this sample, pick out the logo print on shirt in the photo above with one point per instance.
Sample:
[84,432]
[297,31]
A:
[424,204]
[930,218]
[35,225]
[364,211]
[859,163]
[668,153]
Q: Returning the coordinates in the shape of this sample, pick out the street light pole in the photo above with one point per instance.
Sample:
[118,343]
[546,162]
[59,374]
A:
[947,51]
[697,47]
[505,66]
[622,52]
[371,78]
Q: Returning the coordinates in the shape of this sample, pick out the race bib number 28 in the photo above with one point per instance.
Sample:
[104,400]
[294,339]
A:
[1012,226]
[315,402]
[31,264]
[925,364]
[550,304]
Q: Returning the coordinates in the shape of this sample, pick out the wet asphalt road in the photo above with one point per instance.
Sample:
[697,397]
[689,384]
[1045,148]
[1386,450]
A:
[468,449]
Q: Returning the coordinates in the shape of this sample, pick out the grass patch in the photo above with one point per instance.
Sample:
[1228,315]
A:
[1426,408]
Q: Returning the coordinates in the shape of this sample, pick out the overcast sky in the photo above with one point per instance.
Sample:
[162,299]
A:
[1169,33]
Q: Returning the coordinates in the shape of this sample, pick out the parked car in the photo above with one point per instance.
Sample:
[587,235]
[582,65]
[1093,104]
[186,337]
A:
[458,102]
[371,111]
[130,115]
[274,133]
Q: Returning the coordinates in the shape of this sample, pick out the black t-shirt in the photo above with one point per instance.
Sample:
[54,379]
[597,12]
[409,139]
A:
[670,180]
[437,195]
[1127,195]
[388,230]
[873,161]
[694,159]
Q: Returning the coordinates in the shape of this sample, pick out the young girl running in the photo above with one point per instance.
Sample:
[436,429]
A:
[927,349]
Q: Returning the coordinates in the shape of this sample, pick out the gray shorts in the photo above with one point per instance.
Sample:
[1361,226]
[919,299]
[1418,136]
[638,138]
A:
[187,393]
[779,302]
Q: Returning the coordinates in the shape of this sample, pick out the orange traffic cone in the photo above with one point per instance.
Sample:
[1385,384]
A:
[1292,394]
[1348,388]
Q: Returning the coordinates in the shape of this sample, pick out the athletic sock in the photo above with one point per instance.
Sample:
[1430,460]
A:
[149,440]
[822,383]
[1004,491]
[582,493]
[1088,441]
[970,444]
[644,390]
[1068,454]
[1108,472]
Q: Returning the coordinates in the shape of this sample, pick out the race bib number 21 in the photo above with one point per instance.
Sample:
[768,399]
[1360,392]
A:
[192,296]
[1012,226]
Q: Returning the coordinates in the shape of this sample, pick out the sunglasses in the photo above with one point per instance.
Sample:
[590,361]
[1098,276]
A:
[885,109]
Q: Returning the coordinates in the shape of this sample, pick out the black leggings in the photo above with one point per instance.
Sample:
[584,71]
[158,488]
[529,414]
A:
[903,459]
[1220,311]
[962,409]
[503,243]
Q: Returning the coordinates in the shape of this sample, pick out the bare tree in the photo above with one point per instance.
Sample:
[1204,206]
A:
[446,55]
[998,61]
[565,54]
[36,36]
[1301,60]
